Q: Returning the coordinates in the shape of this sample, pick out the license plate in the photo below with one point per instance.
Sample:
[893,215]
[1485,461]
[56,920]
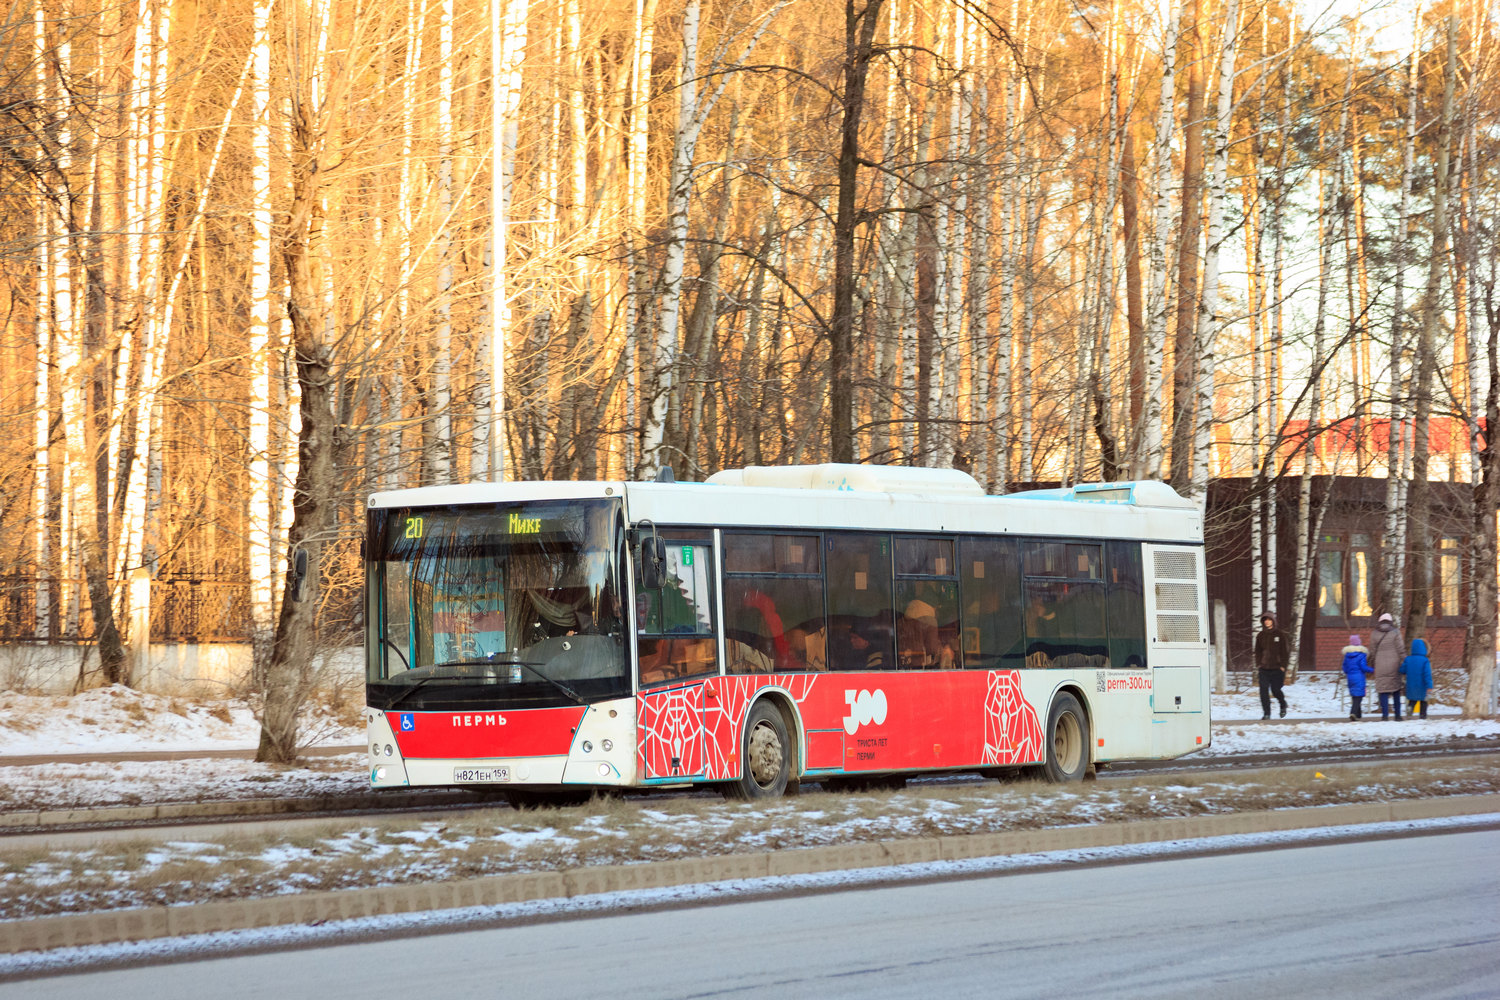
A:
[469,774]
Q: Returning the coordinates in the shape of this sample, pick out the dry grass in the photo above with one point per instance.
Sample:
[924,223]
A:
[1449,685]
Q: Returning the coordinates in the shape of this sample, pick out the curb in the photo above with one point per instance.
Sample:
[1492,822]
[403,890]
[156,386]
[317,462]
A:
[39,821]
[146,923]
[123,756]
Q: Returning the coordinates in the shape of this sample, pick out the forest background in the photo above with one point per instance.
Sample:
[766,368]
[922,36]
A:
[249,257]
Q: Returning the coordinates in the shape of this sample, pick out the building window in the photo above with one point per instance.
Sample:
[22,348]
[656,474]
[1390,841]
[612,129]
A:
[1347,567]
[1446,579]
[1330,581]
[1364,557]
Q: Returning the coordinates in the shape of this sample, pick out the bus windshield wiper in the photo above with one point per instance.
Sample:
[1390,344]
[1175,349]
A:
[422,682]
[534,667]
[411,690]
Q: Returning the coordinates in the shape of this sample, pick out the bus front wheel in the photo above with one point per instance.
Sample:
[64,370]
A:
[1067,742]
[766,758]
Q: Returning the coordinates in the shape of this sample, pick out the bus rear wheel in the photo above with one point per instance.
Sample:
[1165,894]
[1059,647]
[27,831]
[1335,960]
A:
[766,756]
[1067,742]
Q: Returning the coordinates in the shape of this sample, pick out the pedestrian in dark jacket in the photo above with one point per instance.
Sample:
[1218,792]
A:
[1356,665]
[1417,669]
[1272,651]
[1386,651]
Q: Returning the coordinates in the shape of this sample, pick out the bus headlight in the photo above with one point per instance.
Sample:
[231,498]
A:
[380,774]
[588,746]
[607,745]
[603,770]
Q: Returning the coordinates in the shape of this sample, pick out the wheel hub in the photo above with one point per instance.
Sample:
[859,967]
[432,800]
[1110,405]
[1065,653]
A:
[765,754]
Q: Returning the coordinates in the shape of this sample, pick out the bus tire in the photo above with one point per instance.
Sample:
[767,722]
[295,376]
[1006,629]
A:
[766,755]
[1066,739]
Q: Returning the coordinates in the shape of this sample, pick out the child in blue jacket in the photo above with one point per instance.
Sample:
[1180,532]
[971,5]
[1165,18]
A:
[1418,671]
[1356,665]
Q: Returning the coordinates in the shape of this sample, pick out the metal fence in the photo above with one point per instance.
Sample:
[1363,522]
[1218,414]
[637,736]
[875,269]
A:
[67,614]
[200,611]
[182,610]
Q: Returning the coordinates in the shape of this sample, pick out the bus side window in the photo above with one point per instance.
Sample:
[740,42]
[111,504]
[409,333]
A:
[1065,605]
[773,603]
[1126,605]
[993,636]
[861,634]
[674,623]
[927,604]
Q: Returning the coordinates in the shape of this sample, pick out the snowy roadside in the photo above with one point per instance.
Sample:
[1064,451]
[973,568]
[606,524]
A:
[113,720]
[307,855]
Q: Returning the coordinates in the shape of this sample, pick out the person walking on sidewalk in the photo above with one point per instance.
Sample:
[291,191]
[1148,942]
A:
[1386,651]
[1356,665]
[1272,651]
[1417,669]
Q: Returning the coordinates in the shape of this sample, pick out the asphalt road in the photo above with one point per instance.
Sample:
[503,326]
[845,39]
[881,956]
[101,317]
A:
[1417,916]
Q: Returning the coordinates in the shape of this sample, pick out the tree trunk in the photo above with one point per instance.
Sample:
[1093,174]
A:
[288,676]
[258,540]
[1208,318]
[1148,455]
[859,36]
[1184,355]
[507,50]
[1418,502]
[1479,695]
[1393,577]
[438,429]
[1130,217]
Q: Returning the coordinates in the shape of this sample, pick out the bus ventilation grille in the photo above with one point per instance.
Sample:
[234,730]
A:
[1178,628]
[1177,565]
[1178,617]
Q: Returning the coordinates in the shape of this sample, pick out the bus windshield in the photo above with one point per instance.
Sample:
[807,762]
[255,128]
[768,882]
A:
[496,606]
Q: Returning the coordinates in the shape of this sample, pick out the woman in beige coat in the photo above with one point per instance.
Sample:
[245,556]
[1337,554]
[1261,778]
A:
[1386,652]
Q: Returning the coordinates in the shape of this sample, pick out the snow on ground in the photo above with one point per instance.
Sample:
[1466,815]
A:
[386,926]
[1316,698]
[73,874]
[118,719]
[297,856]
[1311,696]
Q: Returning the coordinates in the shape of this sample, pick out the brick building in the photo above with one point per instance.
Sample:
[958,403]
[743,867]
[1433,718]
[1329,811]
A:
[1347,580]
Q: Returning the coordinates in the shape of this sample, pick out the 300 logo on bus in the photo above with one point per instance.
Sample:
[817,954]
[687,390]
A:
[865,707]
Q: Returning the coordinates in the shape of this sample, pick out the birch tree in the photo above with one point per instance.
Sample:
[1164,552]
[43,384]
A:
[1150,446]
[1208,305]
[1419,533]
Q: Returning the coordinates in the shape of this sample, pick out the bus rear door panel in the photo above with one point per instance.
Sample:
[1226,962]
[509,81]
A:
[1177,622]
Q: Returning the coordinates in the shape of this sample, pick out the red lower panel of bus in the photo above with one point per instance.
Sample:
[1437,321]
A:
[536,732]
[859,722]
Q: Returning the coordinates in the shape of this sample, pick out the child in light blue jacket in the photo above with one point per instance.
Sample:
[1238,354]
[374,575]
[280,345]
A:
[1356,665]
[1417,669]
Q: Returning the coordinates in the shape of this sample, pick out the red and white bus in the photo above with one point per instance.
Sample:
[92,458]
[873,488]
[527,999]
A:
[773,626]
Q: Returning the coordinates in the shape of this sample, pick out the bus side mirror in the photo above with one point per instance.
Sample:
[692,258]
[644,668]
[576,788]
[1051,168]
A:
[653,556]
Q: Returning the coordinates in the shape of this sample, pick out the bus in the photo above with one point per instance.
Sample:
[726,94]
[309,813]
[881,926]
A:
[772,626]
